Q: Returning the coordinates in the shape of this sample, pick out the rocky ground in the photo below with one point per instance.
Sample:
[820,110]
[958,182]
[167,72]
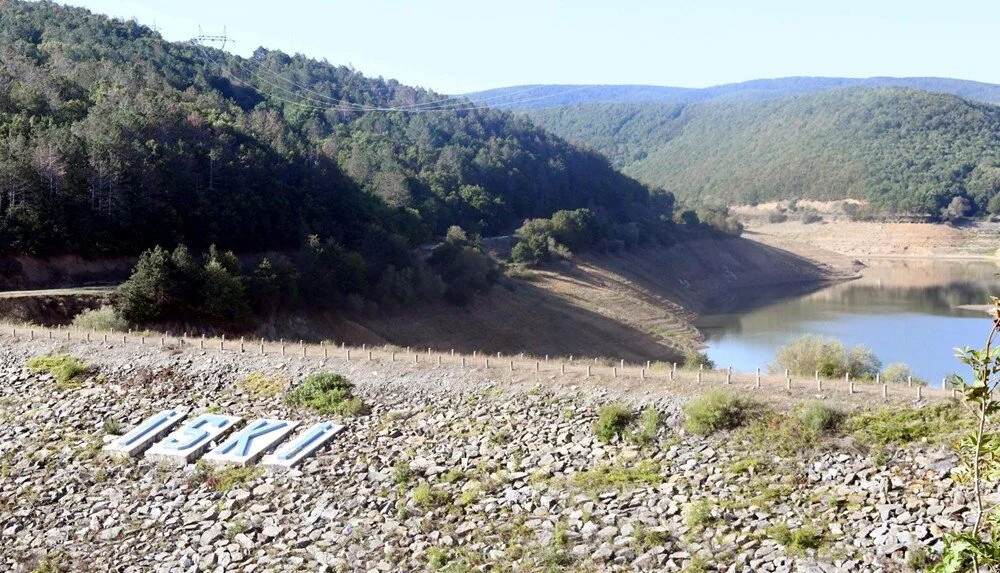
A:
[450,470]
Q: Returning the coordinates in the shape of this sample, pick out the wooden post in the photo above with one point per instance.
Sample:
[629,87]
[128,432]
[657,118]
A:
[647,365]
[944,383]
[673,370]
[511,365]
[729,375]
[88,337]
[642,374]
[486,362]
[201,343]
[878,378]
[614,372]
[32,333]
[392,357]
[369,356]
[452,351]
[909,381]
[243,344]
[222,342]
[699,376]
[819,384]
[262,347]
[850,387]
[463,362]
[439,360]
[562,367]
[621,364]
[588,371]
[918,391]
[788,384]
[537,366]
[348,353]
[757,384]
[885,390]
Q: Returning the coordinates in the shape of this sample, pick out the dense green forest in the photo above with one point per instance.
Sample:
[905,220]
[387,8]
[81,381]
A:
[552,95]
[905,150]
[113,140]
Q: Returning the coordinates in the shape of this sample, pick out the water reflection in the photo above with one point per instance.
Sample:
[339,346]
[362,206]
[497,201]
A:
[905,310]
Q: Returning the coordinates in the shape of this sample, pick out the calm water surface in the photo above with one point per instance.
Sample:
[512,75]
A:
[906,311]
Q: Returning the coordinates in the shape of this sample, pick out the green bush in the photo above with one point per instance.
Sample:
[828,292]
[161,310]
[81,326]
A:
[695,359]
[67,370]
[899,373]
[796,541]
[906,425]
[809,354]
[612,421]
[649,426]
[716,410]
[103,318]
[818,418]
[326,393]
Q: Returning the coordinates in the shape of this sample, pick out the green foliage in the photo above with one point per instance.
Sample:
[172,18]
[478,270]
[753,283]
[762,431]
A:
[535,242]
[427,497]
[401,472]
[796,541]
[818,418]
[612,421]
[223,480]
[899,373]
[862,143]
[463,266]
[649,426]
[694,359]
[717,410]
[698,515]
[67,370]
[809,354]
[646,472]
[111,427]
[103,318]
[326,393]
[262,386]
[906,425]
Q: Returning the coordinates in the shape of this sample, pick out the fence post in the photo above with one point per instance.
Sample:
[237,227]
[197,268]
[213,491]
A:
[909,381]
[262,347]
[201,343]
[282,346]
[511,365]
[348,353]
[878,378]
[439,360]
[621,364]
[944,383]
[392,356]
[788,383]
[536,366]
[699,376]
[918,391]
[463,361]
[758,378]
[242,344]
[369,356]
[222,342]
[562,367]
[819,384]
[729,375]
[486,362]
[642,374]
[614,372]
[885,390]
[673,370]
[588,371]
[850,387]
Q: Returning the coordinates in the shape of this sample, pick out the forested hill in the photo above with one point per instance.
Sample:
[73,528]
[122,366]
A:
[113,140]
[907,150]
[552,95]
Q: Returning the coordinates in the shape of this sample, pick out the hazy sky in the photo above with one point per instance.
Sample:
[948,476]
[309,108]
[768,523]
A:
[455,46]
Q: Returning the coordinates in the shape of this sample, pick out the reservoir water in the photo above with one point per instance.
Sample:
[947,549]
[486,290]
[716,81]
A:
[905,310]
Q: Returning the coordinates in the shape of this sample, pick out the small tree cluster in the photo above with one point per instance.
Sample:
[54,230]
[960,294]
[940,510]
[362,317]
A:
[809,354]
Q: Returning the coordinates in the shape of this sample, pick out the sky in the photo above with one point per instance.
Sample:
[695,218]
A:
[455,46]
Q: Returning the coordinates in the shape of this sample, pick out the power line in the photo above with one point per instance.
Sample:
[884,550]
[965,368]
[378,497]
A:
[444,105]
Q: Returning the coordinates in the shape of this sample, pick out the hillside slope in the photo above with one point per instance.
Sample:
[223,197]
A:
[547,96]
[902,149]
[114,140]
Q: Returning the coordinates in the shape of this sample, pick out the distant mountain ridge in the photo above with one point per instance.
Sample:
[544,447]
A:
[554,95]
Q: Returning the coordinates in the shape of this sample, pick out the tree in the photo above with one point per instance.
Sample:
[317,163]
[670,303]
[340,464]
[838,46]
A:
[534,243]
[149,292]
[979,546]
[958,208]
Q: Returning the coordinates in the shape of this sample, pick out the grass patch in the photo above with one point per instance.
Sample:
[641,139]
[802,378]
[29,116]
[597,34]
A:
[717,410]
[646,472]
[796,541]
[612,421]
[259,385]
[327,393]
[751,465]
[453,475]
[401,472]
[649,426]
[427,498]
[698,515]
[906,425]
[111,427]
[67,370]
[224,480]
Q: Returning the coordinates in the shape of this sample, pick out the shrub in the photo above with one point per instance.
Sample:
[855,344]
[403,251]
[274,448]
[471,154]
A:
[67,370]
[899,373]
[649,426]
[401,472]
[798,540]
[426,497]
[698,515]
[716,410]
[103,318]
[808,354]
[326,393]
[697,359]
[646,472]
[818,418]
[776,217]
[535,242]
[612,421]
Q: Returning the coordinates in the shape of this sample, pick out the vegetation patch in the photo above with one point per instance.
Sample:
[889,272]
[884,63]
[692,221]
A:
[796,541]
[717,410]
[427,497]
[67,370]
[327,393]
[698,515]
[809,354]
[223,480]
[818,418]
[259,385]
[649,426]
[103,318]
[906,425]
[612,421]
[646,472]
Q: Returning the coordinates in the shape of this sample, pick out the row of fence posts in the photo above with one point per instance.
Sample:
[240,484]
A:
[486,360]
